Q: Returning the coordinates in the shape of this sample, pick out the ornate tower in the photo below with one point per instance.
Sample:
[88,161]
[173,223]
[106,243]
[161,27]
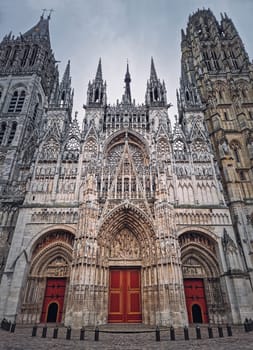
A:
[27,73]
[217,78]
[96,99]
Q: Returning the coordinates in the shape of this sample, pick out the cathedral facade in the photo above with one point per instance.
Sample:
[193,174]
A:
[127,219]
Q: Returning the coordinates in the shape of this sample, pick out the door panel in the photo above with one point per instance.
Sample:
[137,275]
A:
[195,296]
[125,296]
[54,293]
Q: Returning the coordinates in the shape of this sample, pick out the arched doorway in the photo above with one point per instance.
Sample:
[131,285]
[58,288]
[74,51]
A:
[203,292]
[52,312]
[127,244]
[48,278]
[196,314]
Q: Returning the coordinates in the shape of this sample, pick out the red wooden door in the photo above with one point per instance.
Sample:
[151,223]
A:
[125,296]
[54,294]
[195,300]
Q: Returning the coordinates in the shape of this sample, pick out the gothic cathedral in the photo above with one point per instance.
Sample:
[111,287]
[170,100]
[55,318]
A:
[127,218]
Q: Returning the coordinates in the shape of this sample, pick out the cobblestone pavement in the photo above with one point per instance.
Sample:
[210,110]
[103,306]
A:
[22,340]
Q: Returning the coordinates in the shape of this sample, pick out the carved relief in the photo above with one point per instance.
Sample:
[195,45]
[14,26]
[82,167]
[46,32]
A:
[57,268]
[198,238]
[125,245]
[62,236]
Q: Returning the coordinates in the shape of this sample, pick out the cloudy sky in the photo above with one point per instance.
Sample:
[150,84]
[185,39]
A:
[117,30]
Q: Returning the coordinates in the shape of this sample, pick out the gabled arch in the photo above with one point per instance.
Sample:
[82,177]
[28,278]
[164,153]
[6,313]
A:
[127,216]
[133,137]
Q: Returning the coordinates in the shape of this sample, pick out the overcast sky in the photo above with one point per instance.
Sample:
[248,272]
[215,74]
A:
[117,30]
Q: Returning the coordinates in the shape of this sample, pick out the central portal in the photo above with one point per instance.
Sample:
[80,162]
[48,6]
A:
[125,296]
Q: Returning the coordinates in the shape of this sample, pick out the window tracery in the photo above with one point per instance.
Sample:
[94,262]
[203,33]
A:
[17,101]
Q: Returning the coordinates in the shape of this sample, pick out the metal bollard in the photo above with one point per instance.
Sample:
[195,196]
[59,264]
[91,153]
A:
[157,334]
[96,334]
[44,332]
[82,333]
[210,332]
[246,325]
[198,332]
[34,331]
[186,333]
[220,331]
[68,334]
[55,333]
[172,333]
[13,326]
[229,330]
[8,326]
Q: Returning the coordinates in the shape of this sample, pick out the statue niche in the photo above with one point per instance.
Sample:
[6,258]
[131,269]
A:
[125,245]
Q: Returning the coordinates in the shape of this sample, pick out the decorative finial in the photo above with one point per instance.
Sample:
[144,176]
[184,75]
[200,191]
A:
[43,12]
[50,11]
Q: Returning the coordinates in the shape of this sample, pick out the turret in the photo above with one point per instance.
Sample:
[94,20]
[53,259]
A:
[156,91]
[96,93]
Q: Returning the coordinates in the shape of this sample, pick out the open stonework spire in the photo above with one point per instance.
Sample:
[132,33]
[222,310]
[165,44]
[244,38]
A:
[126,98]
[153,75]
[99,76]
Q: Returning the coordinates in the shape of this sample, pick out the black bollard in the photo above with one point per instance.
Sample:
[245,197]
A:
[186,333]
[229,330]
[157,334]
[96,334]
[210,332]
[172,333]
[250,325]
[246,325]
[44,332]
[55,333]
[220,331]
[8,326]
[68,334]
[198,332]
[34,331]
[82,333]
[13,326]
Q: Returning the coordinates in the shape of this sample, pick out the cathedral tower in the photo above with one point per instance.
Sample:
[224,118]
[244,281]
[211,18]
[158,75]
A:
[216,76]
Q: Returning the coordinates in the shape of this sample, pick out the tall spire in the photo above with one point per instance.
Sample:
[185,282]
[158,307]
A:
[153,75]
[127,95]
[96,94]
[66,76]
[156,91]
[99,76]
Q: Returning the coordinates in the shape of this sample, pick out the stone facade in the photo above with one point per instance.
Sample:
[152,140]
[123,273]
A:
[126,192]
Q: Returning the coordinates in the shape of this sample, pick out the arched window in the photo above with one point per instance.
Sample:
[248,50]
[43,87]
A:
[2,132]
[25,55]
[14,55]
[33,55]
[96,98]
[17,101]
[7,55]
[156,97]
[63,96]
[12,133]
[20,102]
